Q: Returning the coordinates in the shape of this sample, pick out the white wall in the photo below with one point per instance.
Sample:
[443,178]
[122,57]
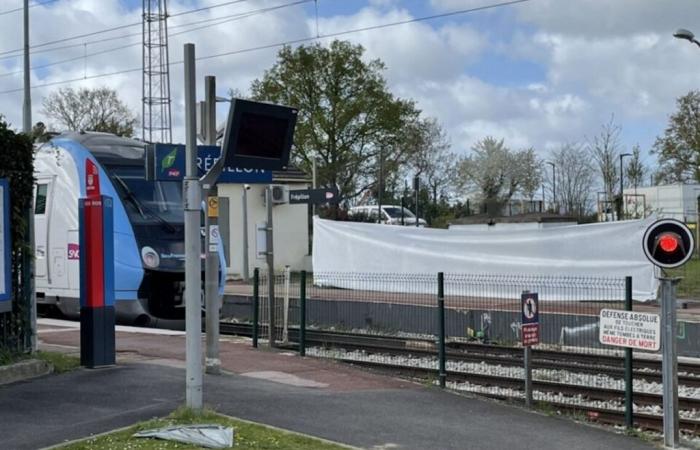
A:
[678,201]
[290,234]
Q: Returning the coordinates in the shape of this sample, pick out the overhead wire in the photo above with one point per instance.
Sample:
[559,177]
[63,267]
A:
[210,23]
[291,42]
[121,27]
[10,11]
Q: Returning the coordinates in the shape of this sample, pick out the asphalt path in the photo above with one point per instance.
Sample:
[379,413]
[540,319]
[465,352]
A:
[56,408]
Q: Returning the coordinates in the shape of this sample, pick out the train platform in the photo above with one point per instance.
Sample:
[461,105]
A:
[307,395]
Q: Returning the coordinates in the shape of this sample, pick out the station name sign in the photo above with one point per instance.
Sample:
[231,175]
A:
[313,196]
[630,329]
[166,162]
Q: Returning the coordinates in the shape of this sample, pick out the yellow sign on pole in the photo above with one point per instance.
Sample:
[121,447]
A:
[213,206]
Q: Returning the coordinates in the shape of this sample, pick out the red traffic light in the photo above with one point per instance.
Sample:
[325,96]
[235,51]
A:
[668,242]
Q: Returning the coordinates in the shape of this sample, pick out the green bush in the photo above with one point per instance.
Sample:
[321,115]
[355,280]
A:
[17,166]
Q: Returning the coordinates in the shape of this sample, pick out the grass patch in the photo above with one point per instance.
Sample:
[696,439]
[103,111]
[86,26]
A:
[246,435]
[689,287]
[61,362]
[7,358]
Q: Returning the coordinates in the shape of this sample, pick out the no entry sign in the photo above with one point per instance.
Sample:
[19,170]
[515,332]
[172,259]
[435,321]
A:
[630,329]
[530,329]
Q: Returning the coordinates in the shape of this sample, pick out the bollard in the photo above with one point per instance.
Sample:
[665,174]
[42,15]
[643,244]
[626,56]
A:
[302,314]
[629,399]
[441,328]
[256,302]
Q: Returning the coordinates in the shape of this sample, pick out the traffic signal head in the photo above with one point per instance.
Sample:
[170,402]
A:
[668,243]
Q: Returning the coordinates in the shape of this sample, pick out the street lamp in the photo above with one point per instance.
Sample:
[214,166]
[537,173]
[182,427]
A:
[622,174]
[554,184]
[687,35]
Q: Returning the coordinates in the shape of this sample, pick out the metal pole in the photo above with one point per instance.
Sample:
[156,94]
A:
[697,223]
[527,365]
[270,266]
[246,273]
[619,205]
[193,271]
[256,305]
[441,329]
[27,128]
[211,265]
[629,355]
[416,187]
[527,368]
[285,310]
[379,190]
[302,314]
[313,183]
[669,368]
[27,105]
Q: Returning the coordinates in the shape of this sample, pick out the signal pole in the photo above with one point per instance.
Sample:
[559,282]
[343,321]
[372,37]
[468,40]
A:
[211,267]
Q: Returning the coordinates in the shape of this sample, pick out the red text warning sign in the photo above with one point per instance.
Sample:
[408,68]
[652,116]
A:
[630,329]
[531,334]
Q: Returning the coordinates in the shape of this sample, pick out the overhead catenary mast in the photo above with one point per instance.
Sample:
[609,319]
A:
[156,73]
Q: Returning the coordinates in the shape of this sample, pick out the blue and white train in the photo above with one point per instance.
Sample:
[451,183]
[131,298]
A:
[148,227]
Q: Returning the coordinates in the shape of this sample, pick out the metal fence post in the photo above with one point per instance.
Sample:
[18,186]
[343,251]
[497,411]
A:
[302,314]
[256,304]
[441,328]
[629,406]
[527,367]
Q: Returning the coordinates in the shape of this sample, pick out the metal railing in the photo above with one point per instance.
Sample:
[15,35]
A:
[463,331]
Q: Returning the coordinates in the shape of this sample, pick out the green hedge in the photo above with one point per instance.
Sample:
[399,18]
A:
[17,165]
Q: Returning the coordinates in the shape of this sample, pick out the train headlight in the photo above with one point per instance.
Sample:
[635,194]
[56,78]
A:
[150,257]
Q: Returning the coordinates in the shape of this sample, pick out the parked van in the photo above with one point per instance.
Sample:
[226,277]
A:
[391,215]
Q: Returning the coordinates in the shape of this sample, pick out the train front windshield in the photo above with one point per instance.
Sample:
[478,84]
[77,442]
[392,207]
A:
[148,201]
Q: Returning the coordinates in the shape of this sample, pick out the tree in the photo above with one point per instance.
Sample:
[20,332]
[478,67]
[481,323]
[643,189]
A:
[433,161]
[347,116]
[575,179]
[636,170]
[98,109]
[498,173]
[678,149]
[605,150]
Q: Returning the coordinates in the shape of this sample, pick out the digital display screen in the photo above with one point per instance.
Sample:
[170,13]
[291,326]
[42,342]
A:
[261,136]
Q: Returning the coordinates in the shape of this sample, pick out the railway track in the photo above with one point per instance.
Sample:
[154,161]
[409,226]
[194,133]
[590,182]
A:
[648,370]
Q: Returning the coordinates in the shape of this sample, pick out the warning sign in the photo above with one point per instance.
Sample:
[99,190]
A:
[213,206]
[630,329]
[530,330]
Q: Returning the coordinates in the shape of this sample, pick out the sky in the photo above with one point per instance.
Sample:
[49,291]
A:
[539,73]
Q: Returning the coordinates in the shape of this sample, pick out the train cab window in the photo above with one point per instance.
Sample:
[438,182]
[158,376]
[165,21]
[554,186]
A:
[40,200]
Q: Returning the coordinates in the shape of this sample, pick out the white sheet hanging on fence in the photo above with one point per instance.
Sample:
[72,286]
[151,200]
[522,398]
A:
[602,250]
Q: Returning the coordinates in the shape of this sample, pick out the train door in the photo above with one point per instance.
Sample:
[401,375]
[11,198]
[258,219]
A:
[41,228]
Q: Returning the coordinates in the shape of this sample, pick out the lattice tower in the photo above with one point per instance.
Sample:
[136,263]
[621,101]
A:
[156,72]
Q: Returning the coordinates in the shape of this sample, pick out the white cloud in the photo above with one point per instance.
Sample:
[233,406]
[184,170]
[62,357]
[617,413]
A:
[595,58]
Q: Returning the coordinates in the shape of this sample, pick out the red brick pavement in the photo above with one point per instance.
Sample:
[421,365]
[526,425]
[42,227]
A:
[237,356]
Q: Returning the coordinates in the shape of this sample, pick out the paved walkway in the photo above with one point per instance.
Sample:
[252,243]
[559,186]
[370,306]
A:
[307,395]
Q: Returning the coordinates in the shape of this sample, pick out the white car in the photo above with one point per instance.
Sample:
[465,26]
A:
[391,215]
